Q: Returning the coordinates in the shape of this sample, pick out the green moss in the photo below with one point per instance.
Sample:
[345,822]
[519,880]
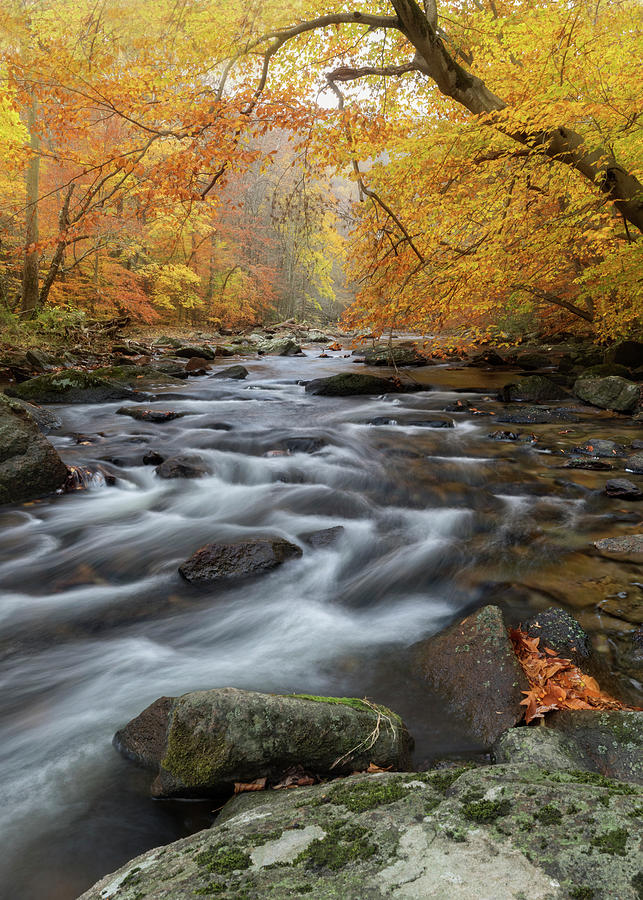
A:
[215,887]
[353,702]
[369,794]
[549,815]
[343,844]
[222,859]
[593,778]
[133,877]
[582,892]
[432,804]
[191,756]
[637,884]
[485,811]
[444,778]
[612,842]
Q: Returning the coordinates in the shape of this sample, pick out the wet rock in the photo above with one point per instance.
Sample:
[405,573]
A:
[472,665]
[182,467]
[45,418]
[489,833]
[41,361]
[197,365]
[169,366]
[578,462]
[382,420]
[352,384]
[29,465]
[325,537]
[606,742]
[504,436]
[628,547]
[279,347]
[531,415]
[223,350]
[150,413]
[430,423]
[237,372]
[603,370]
[303,444]
[560,632]
[488,358]
[69,386]
[534,389]
[625,605]
[134,376]
[199,350]
[634,463]
[600,448]
[532,359]
[241,559]
[628,653]
[622,489]
[394,356]
[202,743]
[458,406]
[153,458]
[612,392]
[626,353]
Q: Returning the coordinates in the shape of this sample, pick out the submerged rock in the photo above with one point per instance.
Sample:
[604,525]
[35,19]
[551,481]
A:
[150,413]
[634,463]
[534,389]
[628,547]
[473,666]
[353,384]
[182,467]
[612,392]
[623,489]
[29,466]
[491,833]
[600,448]
[69,386]
[202,743]
[325,537]
[531,415]
[241,559]
[303,444]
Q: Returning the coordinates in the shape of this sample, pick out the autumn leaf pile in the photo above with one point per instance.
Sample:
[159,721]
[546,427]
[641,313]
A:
[555,682]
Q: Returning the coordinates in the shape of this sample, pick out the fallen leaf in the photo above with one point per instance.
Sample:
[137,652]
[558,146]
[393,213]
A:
[241,787]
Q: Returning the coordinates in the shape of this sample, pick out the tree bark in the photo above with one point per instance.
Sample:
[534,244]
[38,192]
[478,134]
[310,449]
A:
[31,265]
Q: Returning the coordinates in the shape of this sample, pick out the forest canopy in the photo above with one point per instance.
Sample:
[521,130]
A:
[467,165]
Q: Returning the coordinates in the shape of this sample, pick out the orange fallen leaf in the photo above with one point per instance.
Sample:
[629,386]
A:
[241,787]
[372,768]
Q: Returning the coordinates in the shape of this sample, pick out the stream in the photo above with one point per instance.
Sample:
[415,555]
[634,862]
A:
[97,623]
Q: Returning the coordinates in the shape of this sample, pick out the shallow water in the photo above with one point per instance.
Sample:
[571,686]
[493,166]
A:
[96,622]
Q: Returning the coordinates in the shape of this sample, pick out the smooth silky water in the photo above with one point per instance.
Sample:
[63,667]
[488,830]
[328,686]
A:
[97,623]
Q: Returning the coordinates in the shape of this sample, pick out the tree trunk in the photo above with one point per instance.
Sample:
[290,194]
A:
[30,300]
[56,262]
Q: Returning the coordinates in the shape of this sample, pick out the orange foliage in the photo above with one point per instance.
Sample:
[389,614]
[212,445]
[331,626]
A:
[554,682]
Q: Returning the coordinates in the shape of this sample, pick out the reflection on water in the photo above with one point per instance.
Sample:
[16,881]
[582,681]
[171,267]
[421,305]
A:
[97,623]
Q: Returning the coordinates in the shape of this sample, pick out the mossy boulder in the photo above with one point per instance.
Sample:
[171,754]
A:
[560,631]
[612,392]
[236,372]
[189,350]
[603,370]
[492,833]
[534,389]
[29,466]
[473,667]
[240,559]
[135,376]
[353,384]
[394,356]
[626,353]
[69,386]
[201,744]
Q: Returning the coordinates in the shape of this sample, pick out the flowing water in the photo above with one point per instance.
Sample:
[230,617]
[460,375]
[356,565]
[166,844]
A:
[97,623]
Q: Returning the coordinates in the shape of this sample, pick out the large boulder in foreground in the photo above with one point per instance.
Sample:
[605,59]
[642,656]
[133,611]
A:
[493,833]
[606,742]
[353,384]
[241,559]
[612,392]
[29,465]
[204,742]
[473,666]
[69,386]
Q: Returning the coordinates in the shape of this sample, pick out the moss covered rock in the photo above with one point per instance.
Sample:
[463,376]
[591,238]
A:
[353,384]
[534,389]
[29,465]
[135,376]
[200,744]
[473,667]
[611,392]
[237,560]
[69,386]
[493,833]
[394,356]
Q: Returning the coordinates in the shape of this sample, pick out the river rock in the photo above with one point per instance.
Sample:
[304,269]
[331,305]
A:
[182,467]
[303,444]
[596,465]
[607,742]
[534,389]
[283,346]
[171,366]
[394,356]
[237,372]
[622,489]
[485,359]
[150,413]
[604,370]
[612,392]
[532,359]
[241,559]
[69,386]
[197,365]
[431,423]
[353,384]
[626,548]
[202,743]
[189,350]
[40,360]
[325,537]
[493,833]
[560,632]
[29,465]
[626,353]
[600,448]
[532,415]
[472,665]
[634,463]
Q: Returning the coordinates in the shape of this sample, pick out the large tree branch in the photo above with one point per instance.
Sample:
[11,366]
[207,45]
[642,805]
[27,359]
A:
[548,297]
